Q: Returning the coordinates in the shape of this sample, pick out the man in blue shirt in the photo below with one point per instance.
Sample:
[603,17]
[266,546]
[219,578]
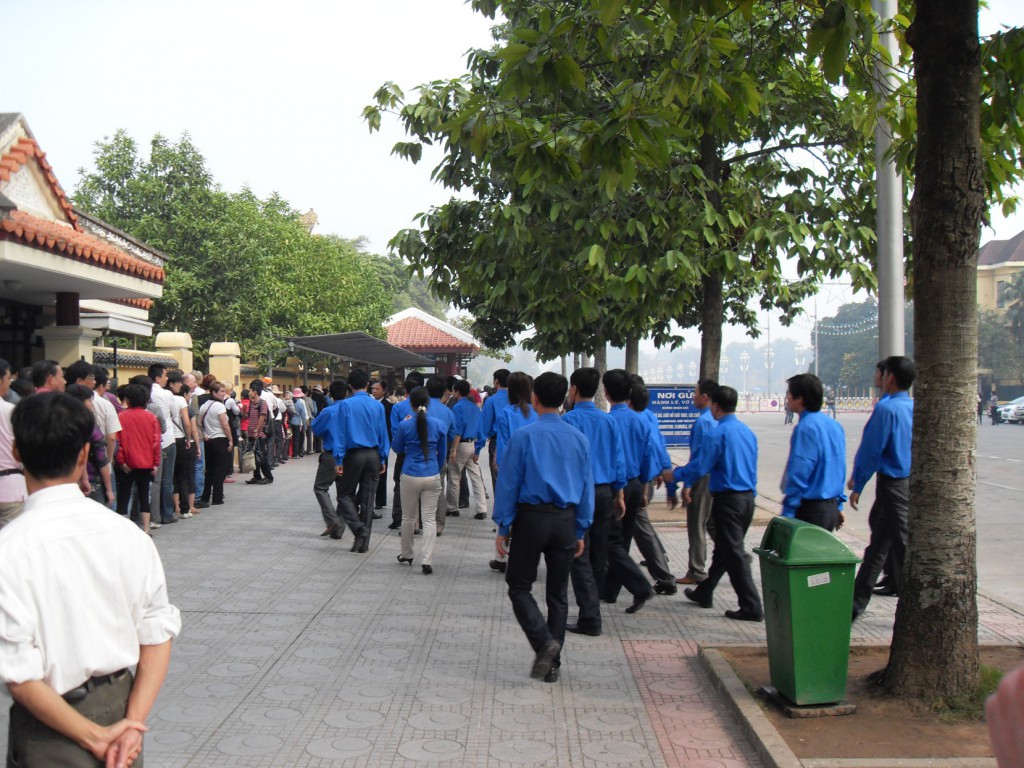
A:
[698,510]
[544,502]
[816,470]
[493,405]
[646,538]
[729,455]
[360,446]
[885,451]
[400,413]
[326,472]
[643,463]
[466,415]
[589,572]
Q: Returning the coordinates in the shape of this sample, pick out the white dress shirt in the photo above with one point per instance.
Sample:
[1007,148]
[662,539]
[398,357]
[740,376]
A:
[164,400]
[81,588]
[106,415]
[12,487]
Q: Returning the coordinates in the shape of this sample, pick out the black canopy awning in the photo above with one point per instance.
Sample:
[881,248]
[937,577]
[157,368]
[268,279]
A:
[360,347]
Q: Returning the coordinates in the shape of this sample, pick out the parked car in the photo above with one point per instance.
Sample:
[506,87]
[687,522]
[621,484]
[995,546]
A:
[1012,411]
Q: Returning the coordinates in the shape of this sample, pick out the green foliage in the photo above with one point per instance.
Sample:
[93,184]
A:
[848,344]
[239,268]
[999,350]
[618,155]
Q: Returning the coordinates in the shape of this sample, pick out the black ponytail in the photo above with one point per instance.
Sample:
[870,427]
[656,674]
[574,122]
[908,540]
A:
[419,399]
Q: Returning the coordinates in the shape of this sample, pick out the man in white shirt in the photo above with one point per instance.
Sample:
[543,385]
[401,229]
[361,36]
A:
[12,481]
[162,489]
[81,372]
[75,702]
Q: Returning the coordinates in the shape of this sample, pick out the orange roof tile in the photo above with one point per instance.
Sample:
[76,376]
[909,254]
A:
[80,246]
[137,303]
[23,150]
[413,333]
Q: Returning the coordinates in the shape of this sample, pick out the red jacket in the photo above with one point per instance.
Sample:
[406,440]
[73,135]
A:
[138,443]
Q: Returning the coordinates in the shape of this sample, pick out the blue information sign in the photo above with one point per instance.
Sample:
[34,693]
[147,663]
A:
[673,405]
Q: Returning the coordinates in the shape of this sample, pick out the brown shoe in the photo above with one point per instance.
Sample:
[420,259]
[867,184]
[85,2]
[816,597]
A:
[688,580]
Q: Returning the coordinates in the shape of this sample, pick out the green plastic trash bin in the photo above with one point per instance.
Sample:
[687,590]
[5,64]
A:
[807,583]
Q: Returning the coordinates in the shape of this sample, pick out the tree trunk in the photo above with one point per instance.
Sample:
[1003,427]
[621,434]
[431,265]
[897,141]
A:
[632,354]
[934,653]
[601,363]
[712,317]
[712,310]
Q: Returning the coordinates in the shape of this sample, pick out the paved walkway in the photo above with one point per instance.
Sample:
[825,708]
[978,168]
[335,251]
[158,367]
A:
[296,652]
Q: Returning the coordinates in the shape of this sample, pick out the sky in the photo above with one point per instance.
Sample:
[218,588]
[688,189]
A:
[272,95]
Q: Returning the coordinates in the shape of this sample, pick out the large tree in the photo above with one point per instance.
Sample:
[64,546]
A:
[239,268]
[642,167]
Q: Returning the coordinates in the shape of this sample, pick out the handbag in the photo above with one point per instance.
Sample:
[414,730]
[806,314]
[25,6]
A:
[248,460]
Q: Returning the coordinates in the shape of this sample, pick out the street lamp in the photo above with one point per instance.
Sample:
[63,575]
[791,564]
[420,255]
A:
[769,356]
[693,370]
[744,367]
[723,365]
[680,371]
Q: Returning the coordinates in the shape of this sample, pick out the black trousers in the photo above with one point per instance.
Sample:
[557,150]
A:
[362,471]
[382,489]
[732,512]
[623,570]
[396,496]
[260,451]
[821,512]
[218,460]
[888,522]
[590,569]
[541,529]
[140,479]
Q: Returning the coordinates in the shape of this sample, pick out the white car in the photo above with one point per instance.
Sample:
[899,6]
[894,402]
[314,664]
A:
[1012,411]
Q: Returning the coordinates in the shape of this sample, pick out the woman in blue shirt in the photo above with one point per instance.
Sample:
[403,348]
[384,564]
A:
[518,413]
[424,441]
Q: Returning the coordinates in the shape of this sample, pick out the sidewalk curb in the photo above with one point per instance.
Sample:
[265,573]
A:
[769,745]
[772,748]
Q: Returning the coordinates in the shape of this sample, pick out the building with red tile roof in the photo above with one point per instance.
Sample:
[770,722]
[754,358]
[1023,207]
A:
[65,276]
[418,331]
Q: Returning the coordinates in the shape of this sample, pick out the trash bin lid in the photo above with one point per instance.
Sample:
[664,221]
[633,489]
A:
[788,541]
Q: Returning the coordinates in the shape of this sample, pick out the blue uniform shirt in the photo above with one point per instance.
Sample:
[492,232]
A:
[493,405]
[467,420]
[639,451]
[729,454]
[400,410]
[547,462]
[605,444]
[702,425]
[661,456]
[442,413]
[817,462]
[321,425]
[359,423]
[509,419]
[885,446]
[407,441]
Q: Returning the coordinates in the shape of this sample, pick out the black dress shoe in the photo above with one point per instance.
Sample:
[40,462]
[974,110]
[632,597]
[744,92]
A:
[701,601]
[666,587]
[551,676]
[742,615]
[394,526]
[405,560]
[254,481]
[576,629]
[427,570]
[364,545]
[336,531]
[377,515]
[479,516]
[454,513]
[544,661]
[327,532]
[886,591]
[200,504]
[639,601]
[498,565]
[463,505]
[361,543]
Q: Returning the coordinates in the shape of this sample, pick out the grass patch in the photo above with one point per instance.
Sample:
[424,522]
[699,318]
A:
[972,706]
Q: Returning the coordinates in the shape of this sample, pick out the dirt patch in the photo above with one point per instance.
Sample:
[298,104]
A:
[883,726]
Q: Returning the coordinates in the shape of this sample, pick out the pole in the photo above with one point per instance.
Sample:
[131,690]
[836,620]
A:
[889,224]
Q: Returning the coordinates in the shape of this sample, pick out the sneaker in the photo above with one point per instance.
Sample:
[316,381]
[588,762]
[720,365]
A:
[154,526]
[185,515]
